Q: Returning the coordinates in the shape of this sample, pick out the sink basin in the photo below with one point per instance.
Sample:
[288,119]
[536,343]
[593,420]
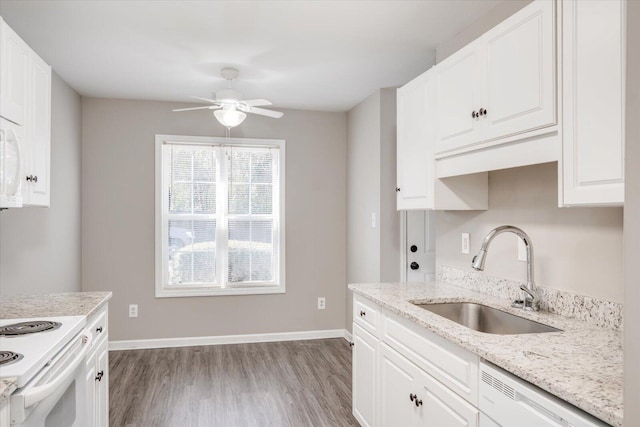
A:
[482,318]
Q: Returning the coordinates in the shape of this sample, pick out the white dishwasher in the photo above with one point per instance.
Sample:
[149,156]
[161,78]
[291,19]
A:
[508,401]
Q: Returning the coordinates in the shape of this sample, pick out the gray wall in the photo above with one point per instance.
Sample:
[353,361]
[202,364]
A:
[118,222]
[632,223]
[40,247]
[578,249]
[373,254]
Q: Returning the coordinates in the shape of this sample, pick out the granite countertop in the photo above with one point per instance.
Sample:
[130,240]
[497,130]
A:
[53,305]
[581,365]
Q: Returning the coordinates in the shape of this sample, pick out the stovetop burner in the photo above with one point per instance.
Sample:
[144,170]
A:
[7,357]
[24,328]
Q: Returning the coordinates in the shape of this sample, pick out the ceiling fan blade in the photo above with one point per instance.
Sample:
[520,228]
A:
[208,107]
[205,99]
[256,102]
[268,113]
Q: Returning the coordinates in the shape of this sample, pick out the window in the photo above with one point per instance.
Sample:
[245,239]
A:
[219,216]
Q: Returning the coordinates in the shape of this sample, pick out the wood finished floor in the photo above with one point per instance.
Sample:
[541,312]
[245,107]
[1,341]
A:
[296,383]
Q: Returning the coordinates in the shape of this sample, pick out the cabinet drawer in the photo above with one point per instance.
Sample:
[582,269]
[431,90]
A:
[450,364]
[98,325]
[366,314]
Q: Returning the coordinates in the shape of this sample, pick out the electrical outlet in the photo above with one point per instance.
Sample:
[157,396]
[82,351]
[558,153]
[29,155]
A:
[522,250]
[321,303]
[133,310]
[465,243]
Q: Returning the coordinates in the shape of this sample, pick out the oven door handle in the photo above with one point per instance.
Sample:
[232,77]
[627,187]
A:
[36,394]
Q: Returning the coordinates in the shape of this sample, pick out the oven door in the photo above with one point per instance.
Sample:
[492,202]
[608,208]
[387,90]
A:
[56,397]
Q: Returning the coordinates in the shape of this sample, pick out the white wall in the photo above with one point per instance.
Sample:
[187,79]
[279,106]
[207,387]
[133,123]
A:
[577,250]
[118,221]
[373,254]
[632,224]
[40,247]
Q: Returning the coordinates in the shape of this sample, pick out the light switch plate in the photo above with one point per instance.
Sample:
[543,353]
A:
[465,243]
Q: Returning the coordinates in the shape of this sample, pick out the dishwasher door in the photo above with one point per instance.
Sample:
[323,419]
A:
[509,401]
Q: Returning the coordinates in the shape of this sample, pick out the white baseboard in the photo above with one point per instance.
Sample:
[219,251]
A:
[227,339]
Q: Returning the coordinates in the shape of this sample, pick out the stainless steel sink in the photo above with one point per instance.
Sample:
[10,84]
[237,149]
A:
[482,318]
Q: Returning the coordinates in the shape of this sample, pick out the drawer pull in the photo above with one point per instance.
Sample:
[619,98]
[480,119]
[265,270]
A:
[99,329]
[99,376]
[412,397]
[418,402]
[362,313]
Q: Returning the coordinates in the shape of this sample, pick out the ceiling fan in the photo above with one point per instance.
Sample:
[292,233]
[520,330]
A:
[230,108]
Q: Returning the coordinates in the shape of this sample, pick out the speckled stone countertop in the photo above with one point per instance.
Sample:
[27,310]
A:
[53,305]
[581,365]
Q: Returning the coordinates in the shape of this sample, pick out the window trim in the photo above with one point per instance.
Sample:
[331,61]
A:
[168,291]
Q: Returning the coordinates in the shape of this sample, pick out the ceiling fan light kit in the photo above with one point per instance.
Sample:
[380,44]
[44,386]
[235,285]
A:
[231,110]
[230,118]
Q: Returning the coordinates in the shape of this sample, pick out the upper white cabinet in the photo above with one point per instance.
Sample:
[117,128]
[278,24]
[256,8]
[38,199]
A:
[38,134]
[593,50]
[520,91]
[413,143]
[459,81]
[14,75]
[25,99]
[501,85]
[417,185]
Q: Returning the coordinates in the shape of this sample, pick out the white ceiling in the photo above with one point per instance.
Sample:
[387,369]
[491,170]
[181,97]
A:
[314,55]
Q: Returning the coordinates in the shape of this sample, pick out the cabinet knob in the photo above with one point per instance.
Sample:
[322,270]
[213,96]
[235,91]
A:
[35,178]
[99,376]
[397,189]
[99,329]
[351,343]
[418,402]
[412,397]
[362,313]
[474,114]
[483,112]
[29,178]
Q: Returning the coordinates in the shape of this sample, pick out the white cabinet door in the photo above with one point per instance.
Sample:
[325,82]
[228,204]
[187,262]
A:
[520,85]
[439,406]
[91,388]
[399,388]
[14,66]
[38,129]
[457,100]
[593,102]
[364,374]
[414,145]
[102,385]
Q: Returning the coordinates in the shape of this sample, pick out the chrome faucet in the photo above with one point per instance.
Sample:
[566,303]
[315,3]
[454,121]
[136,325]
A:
[532,297]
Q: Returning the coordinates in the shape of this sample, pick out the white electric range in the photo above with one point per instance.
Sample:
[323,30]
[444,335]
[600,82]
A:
[45,356]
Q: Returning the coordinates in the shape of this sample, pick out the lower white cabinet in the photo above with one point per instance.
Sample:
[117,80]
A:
[97,369]
[364,376]
[390,389]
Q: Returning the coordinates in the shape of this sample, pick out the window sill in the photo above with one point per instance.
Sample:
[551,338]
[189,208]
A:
[211,292]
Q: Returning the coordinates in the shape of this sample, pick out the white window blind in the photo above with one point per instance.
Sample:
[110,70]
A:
[219,216]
